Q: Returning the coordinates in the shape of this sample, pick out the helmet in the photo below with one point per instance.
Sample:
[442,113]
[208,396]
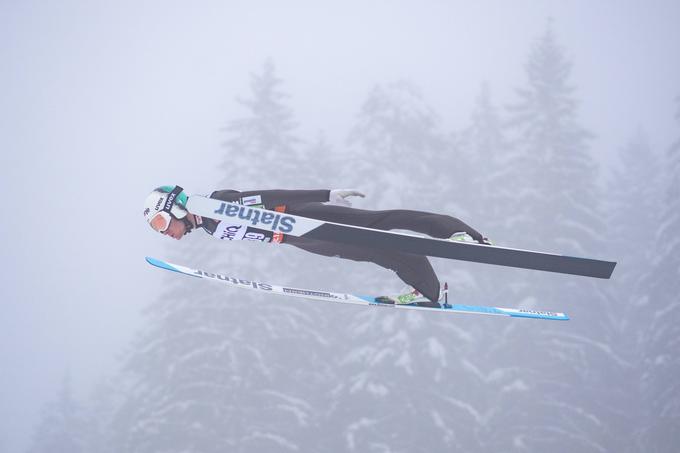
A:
[164,203]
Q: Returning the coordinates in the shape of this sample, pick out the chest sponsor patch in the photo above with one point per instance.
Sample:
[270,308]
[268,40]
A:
[225,230]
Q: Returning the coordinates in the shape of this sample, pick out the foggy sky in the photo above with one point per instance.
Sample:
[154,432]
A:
[102,101]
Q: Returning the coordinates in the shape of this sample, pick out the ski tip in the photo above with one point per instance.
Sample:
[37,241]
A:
[159,263]
[560,317]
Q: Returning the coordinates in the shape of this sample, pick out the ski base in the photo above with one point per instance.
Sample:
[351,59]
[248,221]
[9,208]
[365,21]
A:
[374,301]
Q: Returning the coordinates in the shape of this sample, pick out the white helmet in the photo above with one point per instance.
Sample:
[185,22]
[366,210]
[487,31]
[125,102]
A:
[164,203]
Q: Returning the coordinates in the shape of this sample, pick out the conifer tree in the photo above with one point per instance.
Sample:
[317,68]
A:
[61,427]
[557,207]
[226,370]
[662,389]
[99,411]
[634,194]
[487,147]
[400,376]
[490,375]
[489,197]
[397,148]
[263,145]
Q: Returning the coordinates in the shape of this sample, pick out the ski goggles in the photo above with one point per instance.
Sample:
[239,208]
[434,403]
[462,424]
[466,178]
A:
[160,221]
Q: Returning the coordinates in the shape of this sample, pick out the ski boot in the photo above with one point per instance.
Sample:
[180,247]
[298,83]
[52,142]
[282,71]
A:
[410,296]
[462,236]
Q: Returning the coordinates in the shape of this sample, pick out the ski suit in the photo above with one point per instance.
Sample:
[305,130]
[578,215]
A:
[415,270]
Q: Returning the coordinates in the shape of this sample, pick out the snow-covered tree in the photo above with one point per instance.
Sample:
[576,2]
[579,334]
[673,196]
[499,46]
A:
[328,166]
[226,370]
[558,370]
[403,386]
[485,143]
[554,169]
[490,197]
[634,195]
[662,364]
[397,148]
[100,435]
[263,145]
[62,424]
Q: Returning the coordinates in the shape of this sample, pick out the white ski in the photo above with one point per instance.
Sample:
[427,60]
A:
[372,301]
[304,227]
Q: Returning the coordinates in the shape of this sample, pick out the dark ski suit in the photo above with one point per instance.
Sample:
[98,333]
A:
[413,269]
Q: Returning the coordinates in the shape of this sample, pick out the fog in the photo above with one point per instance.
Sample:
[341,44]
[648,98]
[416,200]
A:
[103,101]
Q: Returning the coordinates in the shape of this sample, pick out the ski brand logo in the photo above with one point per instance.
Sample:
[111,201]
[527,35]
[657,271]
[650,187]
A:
[267,220]
[233,281]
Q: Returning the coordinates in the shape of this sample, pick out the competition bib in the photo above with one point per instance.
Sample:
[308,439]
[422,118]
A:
[230,232]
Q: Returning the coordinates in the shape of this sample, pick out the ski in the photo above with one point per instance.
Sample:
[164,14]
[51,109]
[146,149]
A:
[390,240]
[351,298]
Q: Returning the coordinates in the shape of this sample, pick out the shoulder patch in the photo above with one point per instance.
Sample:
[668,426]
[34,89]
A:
[251,200]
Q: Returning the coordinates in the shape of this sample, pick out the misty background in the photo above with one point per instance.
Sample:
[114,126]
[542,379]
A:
[545,125]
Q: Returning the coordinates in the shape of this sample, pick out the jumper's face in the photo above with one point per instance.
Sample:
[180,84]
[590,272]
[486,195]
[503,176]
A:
[176,229]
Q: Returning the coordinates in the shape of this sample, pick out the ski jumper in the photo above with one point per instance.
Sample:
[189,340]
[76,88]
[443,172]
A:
[415,270]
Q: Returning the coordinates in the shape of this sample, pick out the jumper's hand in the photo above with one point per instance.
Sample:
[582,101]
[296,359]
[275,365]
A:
[337,196]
